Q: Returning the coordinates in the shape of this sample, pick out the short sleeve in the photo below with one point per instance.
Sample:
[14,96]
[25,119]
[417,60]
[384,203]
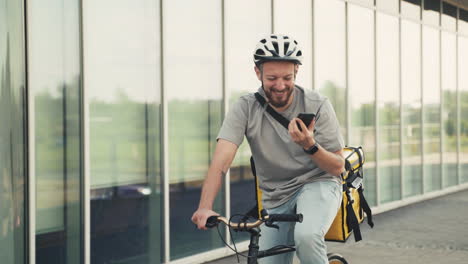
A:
[235,122]
[327,128]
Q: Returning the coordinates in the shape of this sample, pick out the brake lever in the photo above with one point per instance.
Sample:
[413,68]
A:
[270,224]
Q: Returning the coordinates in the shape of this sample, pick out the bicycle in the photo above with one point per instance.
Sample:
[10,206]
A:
[253,228]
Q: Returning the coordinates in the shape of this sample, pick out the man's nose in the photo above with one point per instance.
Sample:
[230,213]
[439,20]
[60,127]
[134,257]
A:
[280,84]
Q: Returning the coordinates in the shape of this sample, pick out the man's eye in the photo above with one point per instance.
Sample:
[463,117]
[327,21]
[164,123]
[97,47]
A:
[271,79]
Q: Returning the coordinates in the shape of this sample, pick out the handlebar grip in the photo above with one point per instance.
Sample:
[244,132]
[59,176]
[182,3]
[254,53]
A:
[212,221]
[285,218]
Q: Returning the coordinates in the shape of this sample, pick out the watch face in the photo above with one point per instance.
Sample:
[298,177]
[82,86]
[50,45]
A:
[312,149]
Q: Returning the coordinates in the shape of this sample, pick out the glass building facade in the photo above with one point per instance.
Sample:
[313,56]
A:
[110,112]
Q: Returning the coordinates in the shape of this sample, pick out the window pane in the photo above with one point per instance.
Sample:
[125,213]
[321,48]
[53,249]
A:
[411,9]
[388,5]
[12,134]
[242,35]
[388,104]
[122,86]
[54,73]
[362,91]
[431,13]
[411,100]
[431,100]
[292,18]
[463,21]
[330,56]
[363,2]
[193,81]
[449,109]
[449,17]
[463,87]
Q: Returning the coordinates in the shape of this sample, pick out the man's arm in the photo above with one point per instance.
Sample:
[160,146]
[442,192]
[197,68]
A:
[222,158]
[331,162]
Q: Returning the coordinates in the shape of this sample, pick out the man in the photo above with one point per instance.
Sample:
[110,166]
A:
[298,169]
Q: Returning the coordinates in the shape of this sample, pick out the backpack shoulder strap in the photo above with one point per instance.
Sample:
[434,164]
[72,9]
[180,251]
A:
[277,116]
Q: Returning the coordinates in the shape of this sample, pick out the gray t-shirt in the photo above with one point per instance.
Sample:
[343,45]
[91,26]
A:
[282,166]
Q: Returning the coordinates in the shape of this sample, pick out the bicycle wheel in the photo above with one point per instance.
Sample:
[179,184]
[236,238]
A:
[335,258]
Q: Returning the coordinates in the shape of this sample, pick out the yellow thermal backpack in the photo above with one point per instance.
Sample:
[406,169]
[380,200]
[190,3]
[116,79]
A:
[353,205]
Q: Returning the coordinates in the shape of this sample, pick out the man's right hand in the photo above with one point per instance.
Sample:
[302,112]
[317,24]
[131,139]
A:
[200,216]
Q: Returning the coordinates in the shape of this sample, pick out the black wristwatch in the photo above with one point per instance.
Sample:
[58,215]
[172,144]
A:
[313,149]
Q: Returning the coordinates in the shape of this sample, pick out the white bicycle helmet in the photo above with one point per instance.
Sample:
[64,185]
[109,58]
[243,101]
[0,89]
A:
[277,48]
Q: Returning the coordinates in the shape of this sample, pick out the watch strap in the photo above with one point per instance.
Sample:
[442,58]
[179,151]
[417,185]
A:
[313,149]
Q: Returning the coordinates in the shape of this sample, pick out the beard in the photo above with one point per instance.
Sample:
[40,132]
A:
[278,101]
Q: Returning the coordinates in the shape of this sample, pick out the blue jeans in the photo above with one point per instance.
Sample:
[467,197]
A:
[318,202]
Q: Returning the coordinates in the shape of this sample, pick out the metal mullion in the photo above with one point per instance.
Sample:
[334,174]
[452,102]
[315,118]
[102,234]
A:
[26,98]
[225,107]
[85,186]
[400,82]
[86,180]
[272,22]
[458,115]
[441,102]
[421,81]
[31,156]
[165,143]
[376,109]
[348,114]
[312,12]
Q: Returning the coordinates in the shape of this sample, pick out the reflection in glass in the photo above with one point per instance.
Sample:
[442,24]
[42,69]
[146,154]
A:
[411,9]
[242,35]
[463,21]
[449,17]
[431,104]
[431,12]
[193,81]
[54,74]
[12,134]
[330,56]
[122,87]
[293,18]
[388,5]
[362,92]
[388,104]
[411,107]
[363,2]
[463,88]
[449,109]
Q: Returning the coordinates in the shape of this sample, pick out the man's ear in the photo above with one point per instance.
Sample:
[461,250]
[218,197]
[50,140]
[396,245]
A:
[296,69]
[258,72]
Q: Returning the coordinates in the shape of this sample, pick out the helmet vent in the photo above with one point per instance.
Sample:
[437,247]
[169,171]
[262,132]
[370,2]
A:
[286,47]
[263,41]
[275,45]
[274,37]
[299,53]
[260,52]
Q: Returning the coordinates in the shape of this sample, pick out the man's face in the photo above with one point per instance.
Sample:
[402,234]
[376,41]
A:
[278,79]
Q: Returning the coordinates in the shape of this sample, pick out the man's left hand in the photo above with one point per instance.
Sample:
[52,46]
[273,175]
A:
[304,138]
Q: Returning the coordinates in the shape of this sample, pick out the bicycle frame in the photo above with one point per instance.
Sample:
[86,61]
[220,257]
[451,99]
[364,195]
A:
[255,253]
[254,230]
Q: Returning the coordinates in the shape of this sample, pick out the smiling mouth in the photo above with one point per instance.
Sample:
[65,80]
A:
[280,92]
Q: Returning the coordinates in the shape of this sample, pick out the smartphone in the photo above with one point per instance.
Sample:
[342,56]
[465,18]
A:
[306,118]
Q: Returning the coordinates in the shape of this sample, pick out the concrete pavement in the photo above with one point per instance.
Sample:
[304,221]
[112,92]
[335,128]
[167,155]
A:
[430,232]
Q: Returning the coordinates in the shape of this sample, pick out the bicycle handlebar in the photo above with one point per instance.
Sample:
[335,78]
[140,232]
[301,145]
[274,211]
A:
[212,221]
[285,218]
